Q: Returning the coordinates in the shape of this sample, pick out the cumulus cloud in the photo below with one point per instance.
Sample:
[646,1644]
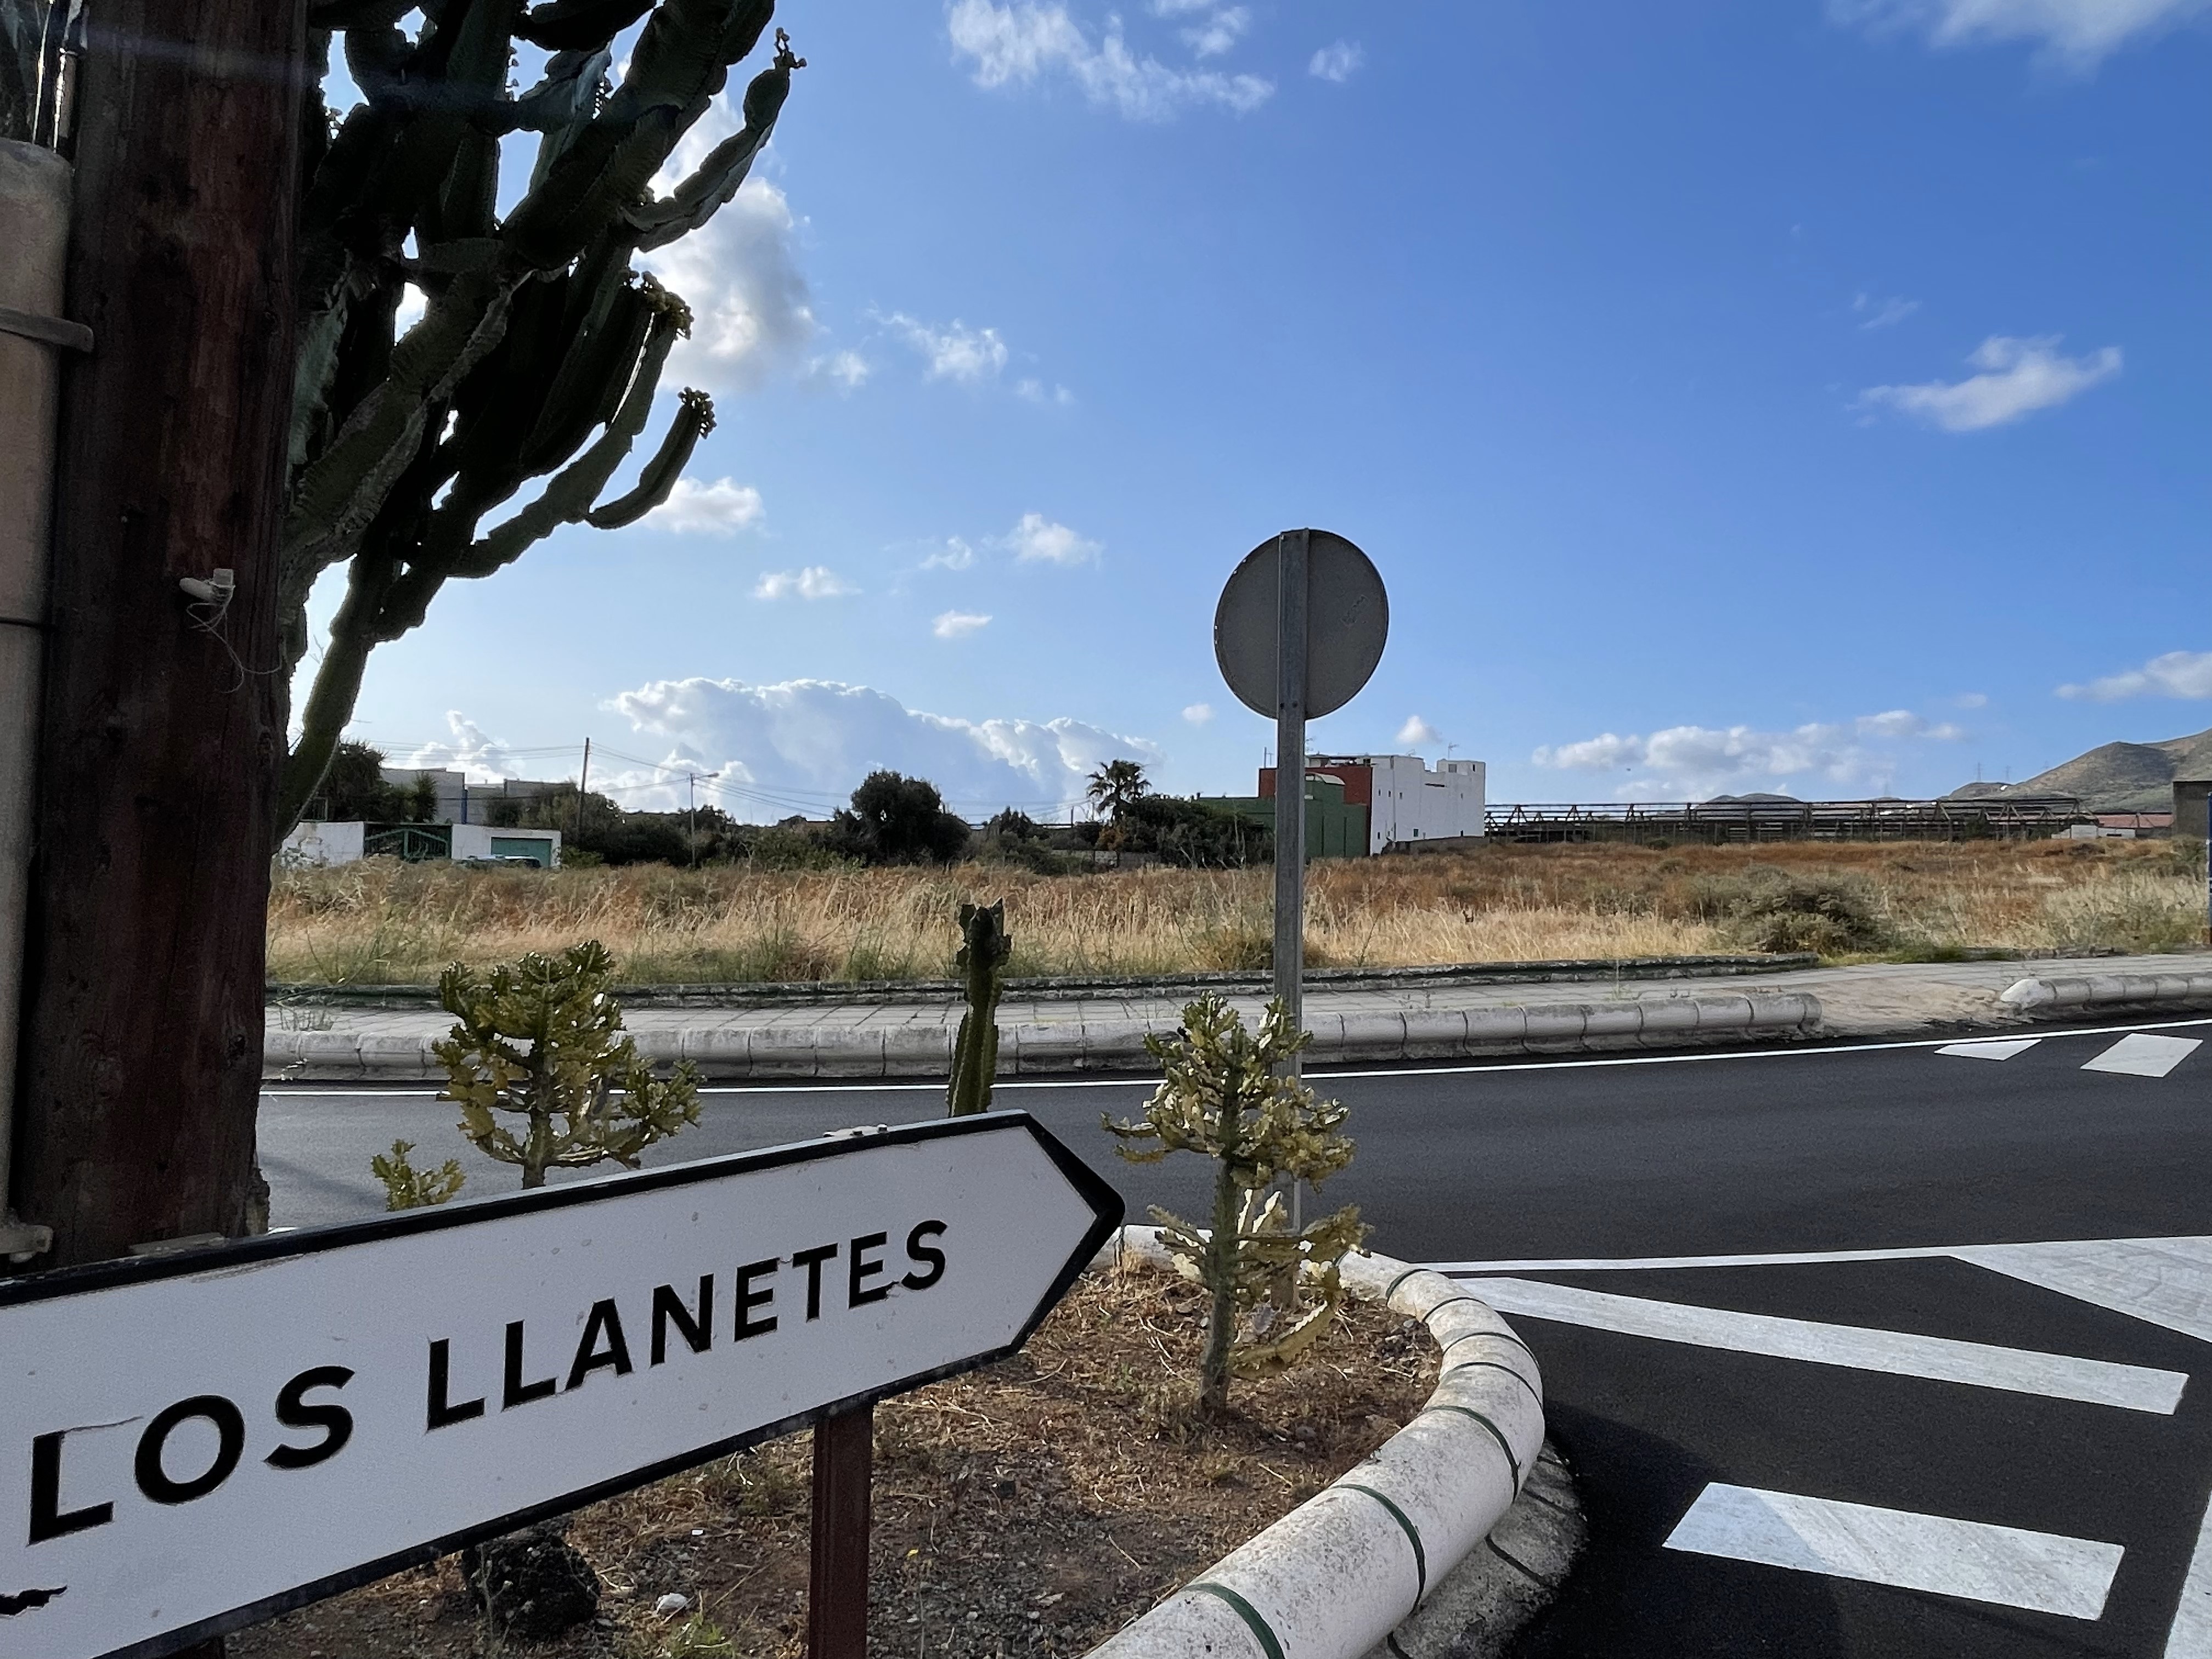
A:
[1689,761]
[849,369]
[958,624]
[2018,377]
[816,581]
[1023,42]
[1037,540]
[1417,734]
[486,760]
[1218,33]
[720,508]
[1338,61]
[955,555]
[739,274]
[1875,314]
[2176,674]
[810,742]
[1199,712]
[956,352]
[2075,33]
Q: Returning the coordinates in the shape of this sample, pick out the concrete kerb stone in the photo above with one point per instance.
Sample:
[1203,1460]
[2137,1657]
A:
[727,1052]
[1336,1576]
[2056,996]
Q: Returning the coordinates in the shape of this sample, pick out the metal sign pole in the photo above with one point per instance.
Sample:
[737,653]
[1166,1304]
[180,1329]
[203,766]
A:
[1290,774]
[837,1588]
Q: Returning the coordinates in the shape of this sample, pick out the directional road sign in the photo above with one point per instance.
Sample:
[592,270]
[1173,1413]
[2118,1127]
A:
[190,1443]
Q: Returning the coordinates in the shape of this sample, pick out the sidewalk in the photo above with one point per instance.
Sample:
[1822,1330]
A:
[893,1036]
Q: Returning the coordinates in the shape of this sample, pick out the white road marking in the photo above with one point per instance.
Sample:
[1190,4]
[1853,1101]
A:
[2007,1565]
[2190,1637]
[1603,1264]
[1901,1353]
[2002,1049]
[2164,1281]
[2141,1054]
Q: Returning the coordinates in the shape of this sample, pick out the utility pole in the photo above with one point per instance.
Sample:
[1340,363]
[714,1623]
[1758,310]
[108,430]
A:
[583,778]
[163,721]
[692,779]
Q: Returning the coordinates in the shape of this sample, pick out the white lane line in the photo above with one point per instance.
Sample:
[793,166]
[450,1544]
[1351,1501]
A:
[2164,1281]
[2002,1049]
[1901,1353]
[2043,1571]
[2141,1054]
[2190,1637]
[1598,1264]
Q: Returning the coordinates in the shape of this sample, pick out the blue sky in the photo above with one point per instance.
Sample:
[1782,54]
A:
[1735,394]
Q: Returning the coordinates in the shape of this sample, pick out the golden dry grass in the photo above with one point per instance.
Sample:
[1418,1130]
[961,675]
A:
[380,921]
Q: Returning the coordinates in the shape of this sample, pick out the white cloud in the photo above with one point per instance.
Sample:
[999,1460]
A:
[1338,61]
[806,745]
[1417,734]
[2176,674]
[720,508]
[749,303]
[958,624]
[413,302]
[1875,314]
[1690,762]
[1037,539]
[954,353]
[1022,42]
[486,760]
[816,581]
[1036,392]
[1972,700]
[1199,712]
[848,368]
[2018,377]
[2076,32]
[955,555]
[1218,33]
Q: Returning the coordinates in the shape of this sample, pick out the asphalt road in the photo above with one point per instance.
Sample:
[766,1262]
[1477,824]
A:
[2038,1508]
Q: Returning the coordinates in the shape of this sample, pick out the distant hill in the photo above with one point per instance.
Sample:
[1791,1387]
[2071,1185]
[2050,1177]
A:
[2114,777]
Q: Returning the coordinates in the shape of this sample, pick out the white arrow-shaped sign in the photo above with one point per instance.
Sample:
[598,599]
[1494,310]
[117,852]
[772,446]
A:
[189,1444]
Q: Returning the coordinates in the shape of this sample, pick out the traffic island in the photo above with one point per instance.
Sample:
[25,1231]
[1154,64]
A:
[1033,1507]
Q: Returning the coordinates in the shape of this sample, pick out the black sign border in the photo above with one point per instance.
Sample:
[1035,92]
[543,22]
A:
[1107,1214]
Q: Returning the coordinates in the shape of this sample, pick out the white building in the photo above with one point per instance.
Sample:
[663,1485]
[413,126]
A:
[1407,800]
[317,843]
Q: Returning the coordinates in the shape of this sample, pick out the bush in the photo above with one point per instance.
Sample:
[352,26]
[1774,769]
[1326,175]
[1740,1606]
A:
[1192,834]
[1773,909]
[894,819]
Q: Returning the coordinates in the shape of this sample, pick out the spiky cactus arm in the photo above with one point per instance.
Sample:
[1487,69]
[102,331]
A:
[536,331]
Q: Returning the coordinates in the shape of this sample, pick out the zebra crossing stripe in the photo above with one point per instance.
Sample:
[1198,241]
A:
[2008,1566]
[2145,1053]
[1994,1048]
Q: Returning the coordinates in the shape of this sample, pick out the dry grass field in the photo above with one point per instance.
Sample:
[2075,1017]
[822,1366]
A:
[382,922]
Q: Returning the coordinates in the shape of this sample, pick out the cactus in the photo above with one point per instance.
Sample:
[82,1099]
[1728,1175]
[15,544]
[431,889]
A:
[538,1038]
[1223,1098]
[405,1186]
[983,959]
[538,331]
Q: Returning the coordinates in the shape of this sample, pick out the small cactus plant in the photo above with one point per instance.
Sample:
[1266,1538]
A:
[405,1186]
[1224,1099]
[983,962]
[539,1039]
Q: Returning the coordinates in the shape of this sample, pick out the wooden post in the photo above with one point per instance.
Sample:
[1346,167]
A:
[837,1588]
[161,725]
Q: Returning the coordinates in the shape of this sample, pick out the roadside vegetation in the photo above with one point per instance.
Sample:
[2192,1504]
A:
[380,921]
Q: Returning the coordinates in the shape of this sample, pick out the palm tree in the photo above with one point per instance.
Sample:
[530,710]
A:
[1114,785]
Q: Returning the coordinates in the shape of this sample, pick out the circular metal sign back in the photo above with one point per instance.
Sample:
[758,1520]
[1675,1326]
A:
[1347,619]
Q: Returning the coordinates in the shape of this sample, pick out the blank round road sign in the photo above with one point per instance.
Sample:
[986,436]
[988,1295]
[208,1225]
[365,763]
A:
[1347,620]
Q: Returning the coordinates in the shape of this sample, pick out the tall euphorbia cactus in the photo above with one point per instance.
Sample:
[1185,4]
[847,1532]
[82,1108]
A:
[538,333]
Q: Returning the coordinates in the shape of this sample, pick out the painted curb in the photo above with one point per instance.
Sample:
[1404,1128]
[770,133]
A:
[2054,996]
[825,1049]
[1340,1573]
